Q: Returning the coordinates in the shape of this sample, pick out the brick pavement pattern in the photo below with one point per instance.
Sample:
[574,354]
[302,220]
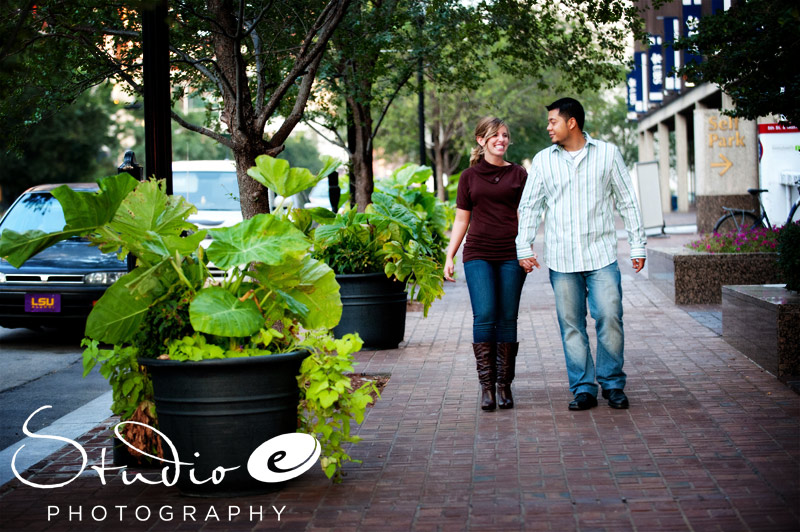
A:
[710,443]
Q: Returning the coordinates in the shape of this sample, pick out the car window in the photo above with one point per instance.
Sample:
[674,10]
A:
[209,191]
[37,210]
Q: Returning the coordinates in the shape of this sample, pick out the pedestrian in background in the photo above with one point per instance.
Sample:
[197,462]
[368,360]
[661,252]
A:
[576,183]
[486,207]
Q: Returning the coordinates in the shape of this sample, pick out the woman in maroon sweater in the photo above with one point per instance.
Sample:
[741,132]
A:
[488,196]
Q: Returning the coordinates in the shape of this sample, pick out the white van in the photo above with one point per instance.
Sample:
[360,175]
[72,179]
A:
[212,187]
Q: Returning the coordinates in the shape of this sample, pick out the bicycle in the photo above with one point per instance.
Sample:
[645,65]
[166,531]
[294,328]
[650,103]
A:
[745,219]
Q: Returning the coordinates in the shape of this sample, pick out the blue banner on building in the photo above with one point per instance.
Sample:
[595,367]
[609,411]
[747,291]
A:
[631,94]
[672,57]
[636,83]
[691,13]
[655,63]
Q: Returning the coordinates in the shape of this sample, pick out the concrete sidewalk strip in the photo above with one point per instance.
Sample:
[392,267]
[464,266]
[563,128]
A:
[710,442]
[71,426]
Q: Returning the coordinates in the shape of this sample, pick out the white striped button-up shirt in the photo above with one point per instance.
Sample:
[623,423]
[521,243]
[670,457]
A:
[578,203]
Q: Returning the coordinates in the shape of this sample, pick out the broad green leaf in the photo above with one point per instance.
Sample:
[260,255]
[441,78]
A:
[82,210]
[166,245]
[321,215]
[118,313]
[276,174]
[216,311]
[146,217]
[329,164]
[84,213]
[262,238]
[270,172]
[410,174]
[309,282]
[327,398]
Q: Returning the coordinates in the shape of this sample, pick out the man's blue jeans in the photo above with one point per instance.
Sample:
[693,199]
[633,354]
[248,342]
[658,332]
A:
[494,291]
[603,290]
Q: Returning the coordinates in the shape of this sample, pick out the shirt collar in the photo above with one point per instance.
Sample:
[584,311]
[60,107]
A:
[589,140]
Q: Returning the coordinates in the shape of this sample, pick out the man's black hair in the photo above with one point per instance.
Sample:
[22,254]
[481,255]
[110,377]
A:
[569,108]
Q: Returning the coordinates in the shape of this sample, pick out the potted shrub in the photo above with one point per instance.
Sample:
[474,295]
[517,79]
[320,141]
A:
[789,255]
[392,251]
[204,341]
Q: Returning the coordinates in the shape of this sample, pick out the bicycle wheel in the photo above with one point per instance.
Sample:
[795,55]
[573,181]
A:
[734,222]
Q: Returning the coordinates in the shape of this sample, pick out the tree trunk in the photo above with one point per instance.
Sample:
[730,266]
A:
[253,196]
[361,153]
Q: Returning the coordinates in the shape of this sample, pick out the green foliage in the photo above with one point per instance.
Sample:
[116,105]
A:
[328,403]
[461,46]
[349,244]
[746,50]
[275,297]
[119,366]
[759,240]
[300,150]
[277,175]
[232,55]
[169,319]
[789,255]
[64,147]
[401,233]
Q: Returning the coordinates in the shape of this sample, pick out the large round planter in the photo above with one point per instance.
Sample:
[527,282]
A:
[374,306]
[217,412]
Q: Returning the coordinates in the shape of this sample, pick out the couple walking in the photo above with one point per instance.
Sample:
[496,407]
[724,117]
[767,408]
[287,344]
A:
[575,183]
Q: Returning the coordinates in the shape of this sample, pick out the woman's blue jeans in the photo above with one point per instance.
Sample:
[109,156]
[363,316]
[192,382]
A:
[494,291]
[603,290]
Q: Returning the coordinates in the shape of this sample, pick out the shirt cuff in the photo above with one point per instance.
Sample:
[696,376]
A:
[525,253]
[637,252]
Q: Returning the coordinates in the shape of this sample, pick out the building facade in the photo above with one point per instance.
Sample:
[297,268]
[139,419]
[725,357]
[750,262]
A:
[706,159]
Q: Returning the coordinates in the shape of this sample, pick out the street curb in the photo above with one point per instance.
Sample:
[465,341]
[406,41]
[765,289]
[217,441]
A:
[71,426]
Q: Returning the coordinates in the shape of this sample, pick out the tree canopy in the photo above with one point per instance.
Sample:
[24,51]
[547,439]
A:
[750,52]
[380,46]
[63,147]
[254,62]
[259,62]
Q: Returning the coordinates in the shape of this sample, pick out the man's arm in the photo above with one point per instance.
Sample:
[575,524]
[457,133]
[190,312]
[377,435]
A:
[529,214]
[628,207]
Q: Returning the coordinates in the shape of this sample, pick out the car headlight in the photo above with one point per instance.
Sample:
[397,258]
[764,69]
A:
[102,278]
[2,278]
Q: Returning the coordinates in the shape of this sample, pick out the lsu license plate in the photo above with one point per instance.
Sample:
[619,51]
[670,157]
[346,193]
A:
[42,302]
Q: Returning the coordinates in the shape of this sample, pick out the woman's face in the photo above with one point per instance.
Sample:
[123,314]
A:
[497,144]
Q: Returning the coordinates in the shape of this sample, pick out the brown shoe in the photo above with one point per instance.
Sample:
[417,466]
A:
[506,363]
[485,359]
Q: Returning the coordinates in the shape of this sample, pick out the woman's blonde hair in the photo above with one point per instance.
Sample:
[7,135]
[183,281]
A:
[487,127]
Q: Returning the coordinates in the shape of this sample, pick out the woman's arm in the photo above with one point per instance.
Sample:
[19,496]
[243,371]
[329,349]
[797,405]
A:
[460,226]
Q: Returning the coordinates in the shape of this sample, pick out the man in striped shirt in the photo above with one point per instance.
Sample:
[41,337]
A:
[576,183]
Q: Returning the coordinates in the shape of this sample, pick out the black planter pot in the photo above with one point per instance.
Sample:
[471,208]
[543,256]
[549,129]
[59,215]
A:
[374,306]
[224,409]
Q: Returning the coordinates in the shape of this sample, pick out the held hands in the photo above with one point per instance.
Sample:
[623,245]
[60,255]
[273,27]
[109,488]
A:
[529,264]
[638,264]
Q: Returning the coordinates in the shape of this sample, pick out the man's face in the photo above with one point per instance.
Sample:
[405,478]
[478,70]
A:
[557,127]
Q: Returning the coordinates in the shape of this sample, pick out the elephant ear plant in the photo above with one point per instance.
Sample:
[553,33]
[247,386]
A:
[273,298]
[402,232]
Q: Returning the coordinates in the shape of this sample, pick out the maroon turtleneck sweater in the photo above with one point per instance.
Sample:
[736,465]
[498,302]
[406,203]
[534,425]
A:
[492,194]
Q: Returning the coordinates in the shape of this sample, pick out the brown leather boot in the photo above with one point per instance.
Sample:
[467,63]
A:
[486,361]
[506,362]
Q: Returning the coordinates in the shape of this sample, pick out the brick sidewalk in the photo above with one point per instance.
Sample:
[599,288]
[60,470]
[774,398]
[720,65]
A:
[710,442]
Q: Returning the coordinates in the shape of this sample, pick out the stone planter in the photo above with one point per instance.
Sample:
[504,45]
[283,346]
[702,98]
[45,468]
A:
[763,323]
[688,277]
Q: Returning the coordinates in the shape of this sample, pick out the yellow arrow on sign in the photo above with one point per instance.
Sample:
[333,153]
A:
[725,164]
